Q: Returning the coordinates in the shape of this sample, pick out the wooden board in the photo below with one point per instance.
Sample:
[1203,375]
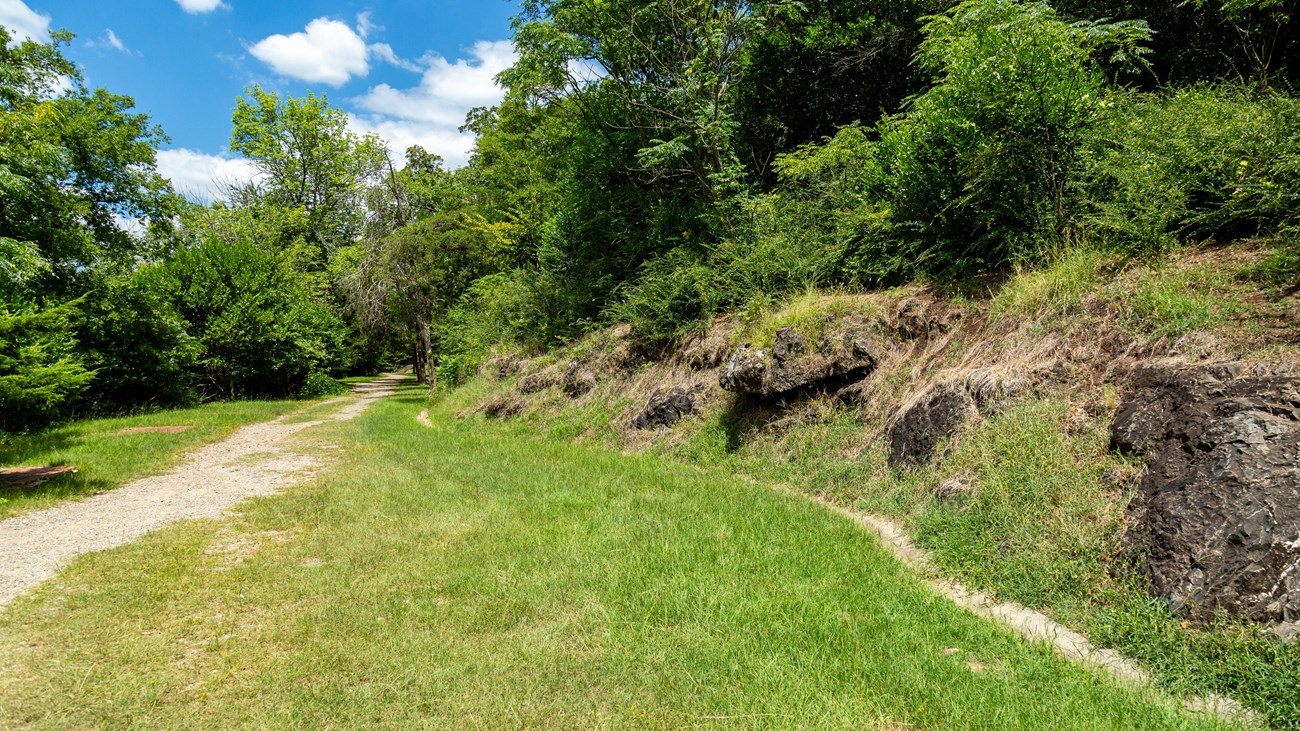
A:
[12,477]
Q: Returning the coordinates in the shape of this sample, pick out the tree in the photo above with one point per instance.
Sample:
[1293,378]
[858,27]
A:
[74,162]
[835,63]
[668,68]
[307,160]
[418,273]
[257,329]
[983,163]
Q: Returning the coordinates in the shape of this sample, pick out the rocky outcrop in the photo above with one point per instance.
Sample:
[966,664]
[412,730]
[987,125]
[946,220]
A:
[578,381]
[1216,523]
[790,367]
[666,408]
[939,412]
[932,417]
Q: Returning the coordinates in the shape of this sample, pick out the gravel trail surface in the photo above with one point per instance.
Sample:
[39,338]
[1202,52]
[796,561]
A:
[255,460]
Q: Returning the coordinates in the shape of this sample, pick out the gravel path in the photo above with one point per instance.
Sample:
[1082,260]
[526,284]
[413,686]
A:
[253,461]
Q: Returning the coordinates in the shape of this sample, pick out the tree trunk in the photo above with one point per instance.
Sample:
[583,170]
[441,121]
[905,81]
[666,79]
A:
[422,347]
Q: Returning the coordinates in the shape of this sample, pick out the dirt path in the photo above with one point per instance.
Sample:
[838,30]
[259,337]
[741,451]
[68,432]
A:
[253,461]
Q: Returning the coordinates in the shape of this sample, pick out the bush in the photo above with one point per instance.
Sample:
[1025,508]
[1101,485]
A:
[258,329]
[980,167]
[137,346]
[1203,162]
[40,375]
[318,384]
[496,309]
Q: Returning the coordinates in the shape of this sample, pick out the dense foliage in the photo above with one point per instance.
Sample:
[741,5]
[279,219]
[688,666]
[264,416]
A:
[652,163]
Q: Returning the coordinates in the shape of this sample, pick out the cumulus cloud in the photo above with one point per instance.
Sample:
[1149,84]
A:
[23,22]
[328,52]
[203,177]
[198,7]
[431,113]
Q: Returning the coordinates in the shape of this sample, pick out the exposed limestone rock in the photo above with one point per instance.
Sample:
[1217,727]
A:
[502,407]
[666,408]
[578,380]
[538,382]
[505,366]
[791,367]
[1216,525]
[932,417]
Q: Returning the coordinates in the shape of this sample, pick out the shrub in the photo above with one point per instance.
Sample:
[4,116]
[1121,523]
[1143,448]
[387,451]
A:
[137,345]
[981,166]
[259,330]
[1205,162]
[318,384]
[496,309]
[40,375]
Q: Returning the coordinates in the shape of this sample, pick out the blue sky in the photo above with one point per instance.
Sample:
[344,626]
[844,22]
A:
[406,69]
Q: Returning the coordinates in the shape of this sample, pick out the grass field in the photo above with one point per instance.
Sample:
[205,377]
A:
[465,577]
[107,458]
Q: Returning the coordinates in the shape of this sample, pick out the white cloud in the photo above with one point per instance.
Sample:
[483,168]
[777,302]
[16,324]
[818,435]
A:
[385,53]
[23,22]
[196,7]
[366,25]
[113,41]
[328,51]
[200,176]
[430,114]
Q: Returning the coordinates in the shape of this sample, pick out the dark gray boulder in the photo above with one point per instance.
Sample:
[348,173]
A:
[791,367]
[1216,523]
[937,414]
[666,408]
[940,411]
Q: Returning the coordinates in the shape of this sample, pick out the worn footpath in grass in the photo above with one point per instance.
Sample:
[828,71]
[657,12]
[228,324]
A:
[465,577]
[107,458]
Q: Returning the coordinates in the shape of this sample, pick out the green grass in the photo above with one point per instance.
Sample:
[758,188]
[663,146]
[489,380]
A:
[107,459]
[472,577]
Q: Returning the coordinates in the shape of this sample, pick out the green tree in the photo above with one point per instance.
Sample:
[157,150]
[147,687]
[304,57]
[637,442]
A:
[417,273]
[983,163]
[74,162]
[307,160]
[258,329]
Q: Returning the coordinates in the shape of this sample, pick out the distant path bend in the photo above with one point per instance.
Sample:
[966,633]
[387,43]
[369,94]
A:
[253,461]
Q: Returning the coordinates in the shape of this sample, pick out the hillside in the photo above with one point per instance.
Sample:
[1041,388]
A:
[1007,423]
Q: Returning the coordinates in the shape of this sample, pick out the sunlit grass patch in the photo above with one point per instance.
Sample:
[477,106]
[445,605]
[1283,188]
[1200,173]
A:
[107,458]
[464,577]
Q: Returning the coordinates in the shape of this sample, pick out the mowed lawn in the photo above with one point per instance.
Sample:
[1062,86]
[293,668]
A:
[467,577]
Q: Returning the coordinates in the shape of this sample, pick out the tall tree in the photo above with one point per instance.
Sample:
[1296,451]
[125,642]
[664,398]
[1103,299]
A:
[74,163]
[308,160]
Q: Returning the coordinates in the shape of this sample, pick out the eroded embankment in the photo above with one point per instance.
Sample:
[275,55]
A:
[1076,448]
